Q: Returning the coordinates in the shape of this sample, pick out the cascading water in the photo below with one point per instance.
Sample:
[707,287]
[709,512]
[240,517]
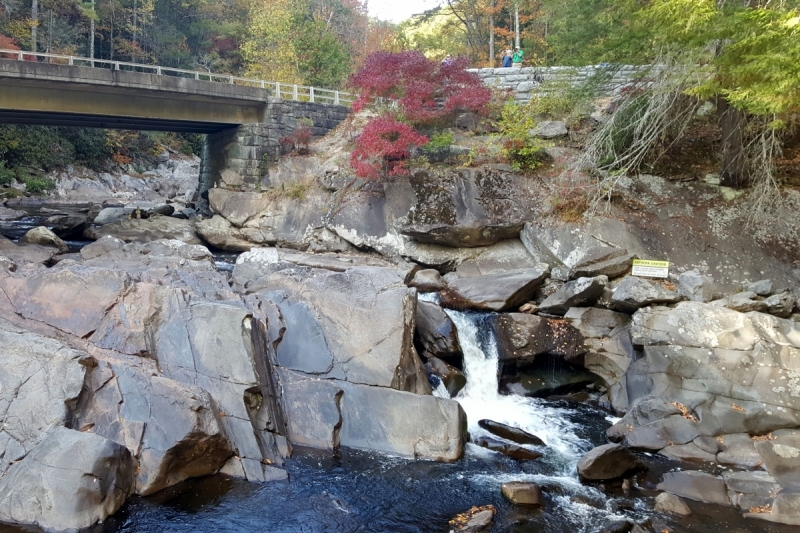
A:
[481,400]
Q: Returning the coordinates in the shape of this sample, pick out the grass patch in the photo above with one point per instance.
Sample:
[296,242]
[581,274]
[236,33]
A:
[38,185]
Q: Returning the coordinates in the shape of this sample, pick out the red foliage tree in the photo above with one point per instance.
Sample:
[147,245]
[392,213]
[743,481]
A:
[421,92]
[7,43]
[384,145]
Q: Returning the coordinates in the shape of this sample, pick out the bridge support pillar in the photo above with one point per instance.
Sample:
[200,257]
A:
[239,158]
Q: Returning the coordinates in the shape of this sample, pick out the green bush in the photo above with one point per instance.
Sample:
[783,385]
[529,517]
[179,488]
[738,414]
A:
[38,185]
[523,152]
[35,147]
[90,146]
[6,174]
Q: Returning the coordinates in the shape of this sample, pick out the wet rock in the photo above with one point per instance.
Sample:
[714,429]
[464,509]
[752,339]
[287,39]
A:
[44,237]
[785,509]
[617,526]
[687,452]
[549,129]
[582,291]
[510,433]
[475,520]
[522,337]
[511,450]
[698,486]
[147,230]
[435,330]
[696,287]
[40,381]
[427,280]
[634,293]
[454,380]
[749,490]
[602,261]
[610,461]
[671,504]
[492,292]
[522,493]
[761,288]
[7,214]
[70,480]
[781,305]
[738,450]
[548,376]
[742,302]
[781,456]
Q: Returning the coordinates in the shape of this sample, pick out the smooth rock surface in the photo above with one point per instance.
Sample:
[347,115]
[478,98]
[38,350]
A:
[44,237]
[510,433]
[671,504]
[493,292]
[522,493]
[698,486]
[610,461]
[522,337]
[633,293]
[436,331]
[577,293]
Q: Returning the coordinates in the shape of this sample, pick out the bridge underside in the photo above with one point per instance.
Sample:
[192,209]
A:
[39,118]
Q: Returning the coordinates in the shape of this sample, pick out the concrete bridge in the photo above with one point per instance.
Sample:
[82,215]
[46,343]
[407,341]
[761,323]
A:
[243,118]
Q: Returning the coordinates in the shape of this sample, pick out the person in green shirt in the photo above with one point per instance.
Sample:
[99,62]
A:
[516,61]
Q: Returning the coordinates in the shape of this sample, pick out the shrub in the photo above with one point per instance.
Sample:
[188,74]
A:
[38,185]
[438,148]
[384,145]
[35,147]
[90,145]
[521,150]
[570,204]
[300,139]
[6,174]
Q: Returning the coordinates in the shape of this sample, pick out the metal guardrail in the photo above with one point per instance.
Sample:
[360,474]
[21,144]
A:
[299,93]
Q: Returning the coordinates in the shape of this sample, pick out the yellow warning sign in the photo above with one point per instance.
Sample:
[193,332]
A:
[650,269]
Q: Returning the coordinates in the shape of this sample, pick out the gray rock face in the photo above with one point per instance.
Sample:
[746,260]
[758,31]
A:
[10,214]
[220,233]
[634,293]
[101,246]
[356,325]
[521,338]
[710,371]
[696,287]
[109,215]
[610,461]
[582,291]
[44,237]
[781,457]
[743,302]
[748,490]
[493,292]
[785,510]
[781,305]
[761,288]
[549,129]
[40,382]
[21,254]
[436,331]
[698,486]
[671,504]
[602,261]
[70,480]
[427,280]
[147,230]
[522,493]
[466,208]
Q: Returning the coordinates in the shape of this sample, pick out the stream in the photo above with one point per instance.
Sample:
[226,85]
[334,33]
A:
[353,491]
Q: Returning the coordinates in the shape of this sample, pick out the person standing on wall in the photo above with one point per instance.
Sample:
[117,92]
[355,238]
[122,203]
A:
[518,56]
[507,59]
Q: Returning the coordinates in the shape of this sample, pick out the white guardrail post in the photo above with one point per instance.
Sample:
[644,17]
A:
[338,98]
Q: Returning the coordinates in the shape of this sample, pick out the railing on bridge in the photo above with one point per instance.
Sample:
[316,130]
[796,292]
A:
[300,93]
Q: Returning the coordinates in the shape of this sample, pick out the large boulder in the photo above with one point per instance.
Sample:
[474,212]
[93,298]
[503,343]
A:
[452,378]
[522,493]
[493,292]
[465,208]
[70,480]
[147,230]
[671,504]
[695,286]
[707,372]
[549,129]
[520,436]
[582,291]
[43,236]
[633,293]
[220,233]
[607,462]
[356,325]
[698,486]
[602,261]
[435,330]
[21,254]
[40,382]
[780,454]
[521,338]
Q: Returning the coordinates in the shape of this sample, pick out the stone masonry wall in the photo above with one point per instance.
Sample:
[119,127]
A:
[532,81]
[237,158]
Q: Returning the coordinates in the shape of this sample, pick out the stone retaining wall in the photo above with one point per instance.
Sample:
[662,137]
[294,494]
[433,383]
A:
[238,157]
[532,81]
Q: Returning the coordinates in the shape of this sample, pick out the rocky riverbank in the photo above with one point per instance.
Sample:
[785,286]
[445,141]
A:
[158,366]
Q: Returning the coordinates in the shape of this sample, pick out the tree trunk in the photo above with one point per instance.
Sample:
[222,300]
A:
[732,123]
[34,24]
[91,35]
[491,38]
[516,25]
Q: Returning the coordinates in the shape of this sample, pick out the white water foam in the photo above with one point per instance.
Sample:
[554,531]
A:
[481,400]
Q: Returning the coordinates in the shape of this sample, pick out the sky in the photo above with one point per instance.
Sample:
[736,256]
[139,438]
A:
[399,10]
